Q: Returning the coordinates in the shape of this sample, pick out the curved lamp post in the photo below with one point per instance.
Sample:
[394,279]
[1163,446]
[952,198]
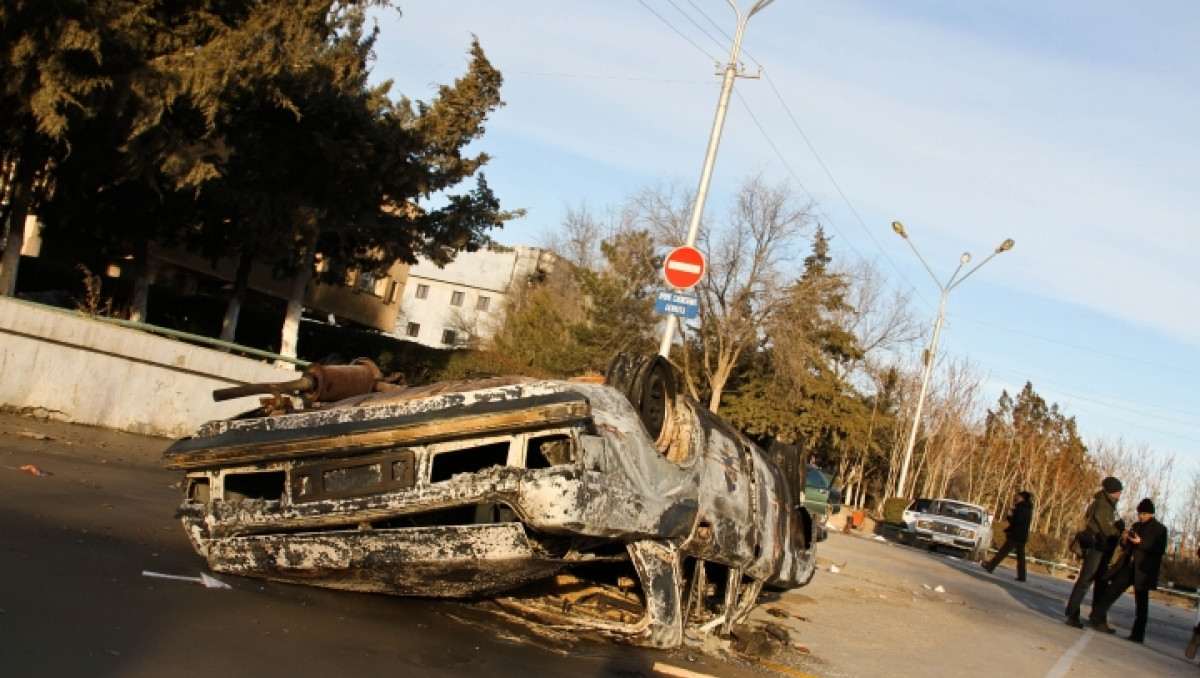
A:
[953,282]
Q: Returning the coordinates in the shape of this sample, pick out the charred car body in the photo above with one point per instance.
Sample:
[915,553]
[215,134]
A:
[619,506]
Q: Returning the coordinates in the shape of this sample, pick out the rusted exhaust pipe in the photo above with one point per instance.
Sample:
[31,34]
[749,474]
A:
[320,383]
[295,386]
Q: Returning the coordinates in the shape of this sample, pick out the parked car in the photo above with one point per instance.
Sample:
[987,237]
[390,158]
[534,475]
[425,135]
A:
[916,508]
[821,498]
[949,523]
[620,506]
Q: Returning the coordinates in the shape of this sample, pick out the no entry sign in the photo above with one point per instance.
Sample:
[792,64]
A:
[683,267]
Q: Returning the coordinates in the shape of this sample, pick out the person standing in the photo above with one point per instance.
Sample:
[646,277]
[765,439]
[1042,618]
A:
[1144,544]
[1099,584]
[1099,523]
[1020,516]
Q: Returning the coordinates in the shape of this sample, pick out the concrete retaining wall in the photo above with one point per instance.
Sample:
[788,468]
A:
[73,368]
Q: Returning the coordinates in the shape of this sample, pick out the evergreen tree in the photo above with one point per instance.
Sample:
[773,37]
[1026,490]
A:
[796,390]
[619,300]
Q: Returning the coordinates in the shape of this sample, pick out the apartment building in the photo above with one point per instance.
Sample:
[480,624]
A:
[463,304]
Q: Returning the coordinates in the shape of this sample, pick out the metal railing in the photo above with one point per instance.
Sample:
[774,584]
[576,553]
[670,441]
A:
[1053,566]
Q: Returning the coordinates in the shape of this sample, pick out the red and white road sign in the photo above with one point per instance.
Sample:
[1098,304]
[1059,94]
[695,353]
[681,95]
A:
[683,267]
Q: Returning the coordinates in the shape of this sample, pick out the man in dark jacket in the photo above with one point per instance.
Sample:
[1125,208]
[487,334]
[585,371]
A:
[1015,535]
[1144,545]
[1099,523]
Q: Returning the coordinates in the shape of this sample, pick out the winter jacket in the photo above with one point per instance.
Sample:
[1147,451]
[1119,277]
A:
[1145,558]
[1101,518]
[1019,519]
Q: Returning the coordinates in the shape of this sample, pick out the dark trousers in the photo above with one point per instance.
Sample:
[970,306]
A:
[1141,603]
[1008,547]
[1093,560]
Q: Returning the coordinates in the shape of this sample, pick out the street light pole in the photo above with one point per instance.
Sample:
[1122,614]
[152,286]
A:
[714,142]
[953,282]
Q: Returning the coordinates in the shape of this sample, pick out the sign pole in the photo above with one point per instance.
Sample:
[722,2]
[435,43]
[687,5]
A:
[710,158]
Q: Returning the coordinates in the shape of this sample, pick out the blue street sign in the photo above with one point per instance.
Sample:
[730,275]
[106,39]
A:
[676,303]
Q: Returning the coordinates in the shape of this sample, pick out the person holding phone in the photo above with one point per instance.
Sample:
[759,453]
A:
[1143,546]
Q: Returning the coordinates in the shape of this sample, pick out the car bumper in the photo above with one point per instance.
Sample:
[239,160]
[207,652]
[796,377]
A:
[944,540]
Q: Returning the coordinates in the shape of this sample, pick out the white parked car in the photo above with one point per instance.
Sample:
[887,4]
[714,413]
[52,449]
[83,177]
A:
[955,524]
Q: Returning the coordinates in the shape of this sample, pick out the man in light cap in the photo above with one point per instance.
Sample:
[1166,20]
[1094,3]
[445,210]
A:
[1143,546]
[1099,524]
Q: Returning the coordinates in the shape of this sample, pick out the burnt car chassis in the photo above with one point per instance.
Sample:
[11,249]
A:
[619,507]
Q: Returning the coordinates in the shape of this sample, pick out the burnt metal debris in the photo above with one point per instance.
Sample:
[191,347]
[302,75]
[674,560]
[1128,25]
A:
[621,507]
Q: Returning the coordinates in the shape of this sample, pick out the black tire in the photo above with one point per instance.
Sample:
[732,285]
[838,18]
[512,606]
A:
[649,384]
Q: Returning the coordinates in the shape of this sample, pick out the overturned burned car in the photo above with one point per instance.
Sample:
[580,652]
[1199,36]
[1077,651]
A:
[620,507]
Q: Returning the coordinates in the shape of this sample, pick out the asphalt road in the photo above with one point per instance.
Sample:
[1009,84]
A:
[74,601]
[875,609]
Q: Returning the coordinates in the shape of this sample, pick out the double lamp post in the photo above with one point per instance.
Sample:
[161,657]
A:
[954,281]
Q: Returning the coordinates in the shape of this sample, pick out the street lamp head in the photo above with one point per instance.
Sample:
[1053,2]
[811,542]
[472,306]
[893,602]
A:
[899,228]
[1005,246]
[964,258]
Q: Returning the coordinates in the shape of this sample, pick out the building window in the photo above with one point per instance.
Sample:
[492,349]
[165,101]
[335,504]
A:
[366,282]
[448,337]
[422,291]
[413,329]
[483,303]
[456,298]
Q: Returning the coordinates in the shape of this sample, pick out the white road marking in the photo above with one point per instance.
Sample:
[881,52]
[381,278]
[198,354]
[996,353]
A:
[669,670]
[1061,668]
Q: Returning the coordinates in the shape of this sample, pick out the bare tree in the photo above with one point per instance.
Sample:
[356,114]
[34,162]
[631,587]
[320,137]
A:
[746,271]
[1188,521]
[881,318]
[1144,474]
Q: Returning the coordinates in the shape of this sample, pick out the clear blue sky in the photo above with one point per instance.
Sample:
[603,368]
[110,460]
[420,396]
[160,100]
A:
[1071,127]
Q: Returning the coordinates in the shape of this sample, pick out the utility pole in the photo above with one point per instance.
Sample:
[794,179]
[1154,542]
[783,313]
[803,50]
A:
[714,141]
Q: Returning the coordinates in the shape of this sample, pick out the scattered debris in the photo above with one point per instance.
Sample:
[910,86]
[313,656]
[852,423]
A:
[753,642]
[778,633]
[34,436]
[834,569]
[206,579]
[33,470]
[776,612]
[802,649]
[939,589]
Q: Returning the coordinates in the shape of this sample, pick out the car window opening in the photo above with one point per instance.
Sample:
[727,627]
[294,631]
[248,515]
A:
[468,460]
[262,485]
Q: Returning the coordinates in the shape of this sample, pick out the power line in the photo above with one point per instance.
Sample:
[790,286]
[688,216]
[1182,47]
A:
[698,26]
[861,223]
[1148,363]
[677,31]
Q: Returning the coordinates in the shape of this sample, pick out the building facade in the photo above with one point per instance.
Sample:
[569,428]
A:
[464,303]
